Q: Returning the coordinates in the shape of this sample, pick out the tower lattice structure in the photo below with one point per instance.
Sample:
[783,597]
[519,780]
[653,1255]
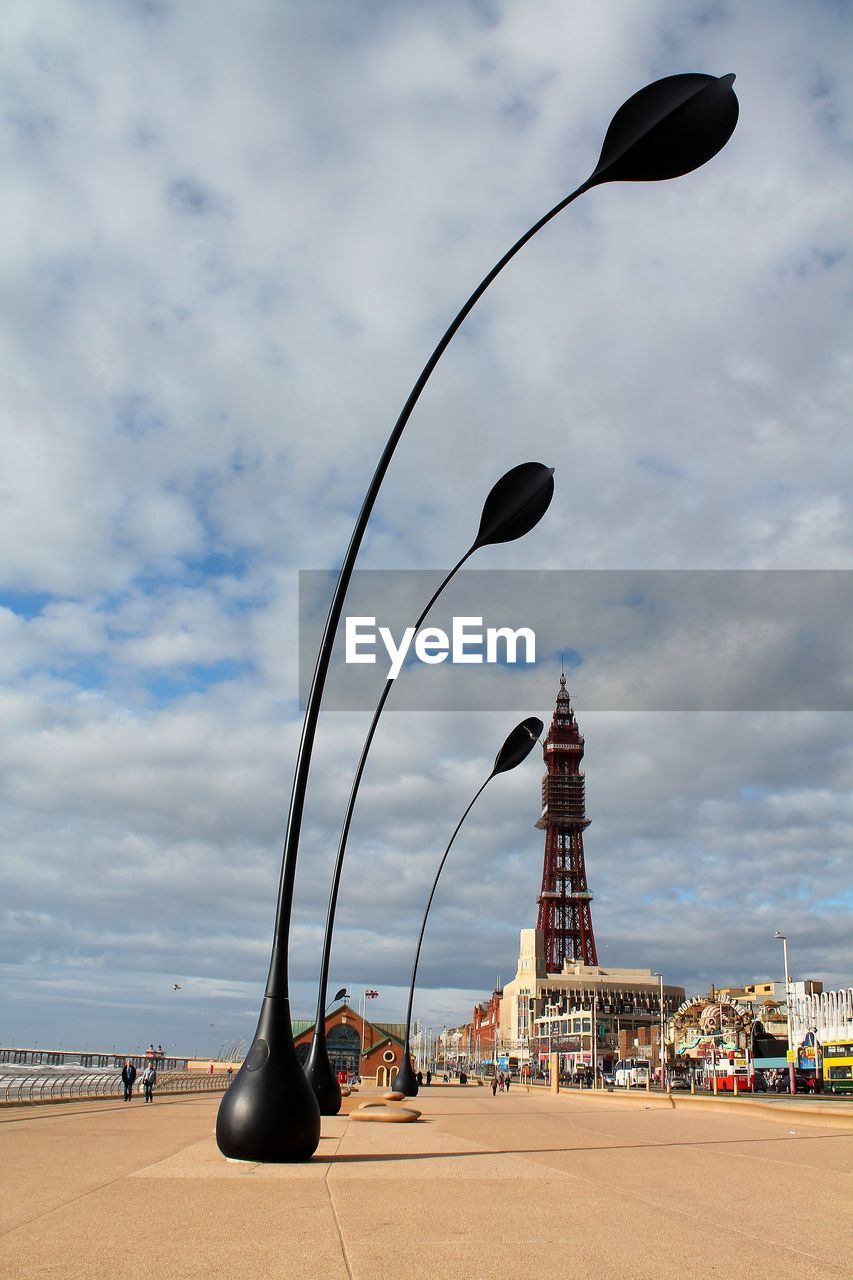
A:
[565,914]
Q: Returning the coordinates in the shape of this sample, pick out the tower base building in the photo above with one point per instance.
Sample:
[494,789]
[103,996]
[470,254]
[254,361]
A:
[544,1013]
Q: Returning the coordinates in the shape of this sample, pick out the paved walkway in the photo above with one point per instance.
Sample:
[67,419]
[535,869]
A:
[515,1187]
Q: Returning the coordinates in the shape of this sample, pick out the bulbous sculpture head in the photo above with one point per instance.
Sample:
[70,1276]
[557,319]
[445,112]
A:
[515,504]
[667,129]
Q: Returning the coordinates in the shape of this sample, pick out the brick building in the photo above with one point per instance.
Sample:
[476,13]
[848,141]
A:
[373,1050]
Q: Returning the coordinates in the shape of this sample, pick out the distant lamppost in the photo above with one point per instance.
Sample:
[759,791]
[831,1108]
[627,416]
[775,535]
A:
[270,1112]
[661,1031]
[750,1052]
[515,749]
[792,1070]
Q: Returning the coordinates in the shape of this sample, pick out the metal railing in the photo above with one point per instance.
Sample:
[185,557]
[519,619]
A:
[22,1086]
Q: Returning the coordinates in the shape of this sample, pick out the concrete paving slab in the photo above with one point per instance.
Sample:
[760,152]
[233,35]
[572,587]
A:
[49,1152]
[525,1186]
[181,1230]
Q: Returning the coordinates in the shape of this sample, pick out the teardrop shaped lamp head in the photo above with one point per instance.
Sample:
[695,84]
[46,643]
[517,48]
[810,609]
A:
[515,504]
[339,995]
[518,745]
[667,129]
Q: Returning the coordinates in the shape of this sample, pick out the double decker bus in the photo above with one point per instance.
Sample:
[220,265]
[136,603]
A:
[731,1069]
[837,1066]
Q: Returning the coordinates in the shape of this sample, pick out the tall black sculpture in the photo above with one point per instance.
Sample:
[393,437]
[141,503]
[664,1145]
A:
[514,506]
[270,1112]
[515,749]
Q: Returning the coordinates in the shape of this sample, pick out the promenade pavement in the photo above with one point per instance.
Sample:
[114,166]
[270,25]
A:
[513,1187]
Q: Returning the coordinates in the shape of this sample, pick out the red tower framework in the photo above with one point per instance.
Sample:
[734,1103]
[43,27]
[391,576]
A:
[565,916]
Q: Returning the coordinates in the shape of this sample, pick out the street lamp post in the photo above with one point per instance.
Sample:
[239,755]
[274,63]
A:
[661,1032]
[792,1070]
[516,748]
[750,1052]
[270,1112]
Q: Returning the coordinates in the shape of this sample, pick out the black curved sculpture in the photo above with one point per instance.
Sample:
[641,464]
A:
[270,1112]
[513,507]
[515,749]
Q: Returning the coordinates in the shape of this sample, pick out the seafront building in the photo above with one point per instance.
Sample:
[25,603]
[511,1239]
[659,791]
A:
[562,1001]
[544,1012]
[371,1050]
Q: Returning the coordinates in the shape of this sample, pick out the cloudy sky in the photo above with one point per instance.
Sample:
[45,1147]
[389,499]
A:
[231,235]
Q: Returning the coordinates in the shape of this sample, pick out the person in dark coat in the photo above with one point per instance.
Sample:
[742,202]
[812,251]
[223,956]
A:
[128,1075]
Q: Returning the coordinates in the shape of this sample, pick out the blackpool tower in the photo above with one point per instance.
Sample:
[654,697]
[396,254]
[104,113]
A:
[565,916]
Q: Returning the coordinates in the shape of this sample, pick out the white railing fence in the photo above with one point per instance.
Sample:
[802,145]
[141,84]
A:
[22,1086]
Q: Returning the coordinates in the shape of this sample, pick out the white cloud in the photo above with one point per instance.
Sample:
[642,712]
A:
[231,236]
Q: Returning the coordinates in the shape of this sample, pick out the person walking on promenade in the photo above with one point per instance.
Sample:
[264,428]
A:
[429,1078]
[506,1081]
[494,1085]
[149,1079]
[128,1075]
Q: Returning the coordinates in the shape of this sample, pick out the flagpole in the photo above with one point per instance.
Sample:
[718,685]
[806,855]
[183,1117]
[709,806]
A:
[368,993]
[363,1015]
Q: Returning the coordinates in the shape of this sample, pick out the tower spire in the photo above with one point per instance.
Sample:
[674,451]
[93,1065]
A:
[565,915]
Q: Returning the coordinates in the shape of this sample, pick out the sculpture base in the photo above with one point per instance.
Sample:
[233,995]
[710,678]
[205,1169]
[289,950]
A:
[269,1113]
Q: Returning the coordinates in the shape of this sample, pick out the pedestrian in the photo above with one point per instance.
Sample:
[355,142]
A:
[149,1079]
[419,1076]
[211,1068]
[429,1078]
[494,1085]
[507,1082]
[230,1074]
[128,1075]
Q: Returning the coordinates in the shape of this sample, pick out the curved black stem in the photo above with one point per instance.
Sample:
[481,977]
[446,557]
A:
[277,984]
[428,905]
[271,1111]
[356,783]
[318,1068]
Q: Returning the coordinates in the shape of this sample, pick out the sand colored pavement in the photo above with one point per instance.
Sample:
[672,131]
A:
[485,1188]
